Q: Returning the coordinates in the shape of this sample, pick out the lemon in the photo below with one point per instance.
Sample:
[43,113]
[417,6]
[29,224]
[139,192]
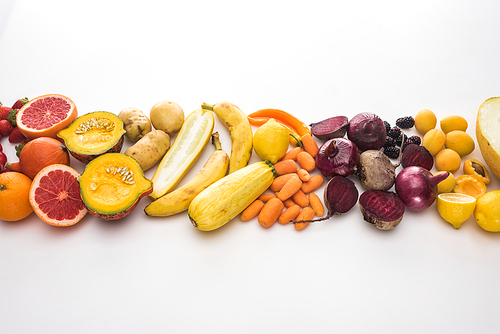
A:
[270,141]
[487,213]
[455,208]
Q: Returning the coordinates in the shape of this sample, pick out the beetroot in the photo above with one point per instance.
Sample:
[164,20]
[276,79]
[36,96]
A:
[382,209]
[333,127]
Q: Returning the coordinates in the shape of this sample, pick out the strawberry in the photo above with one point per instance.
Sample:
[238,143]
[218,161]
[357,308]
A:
[20,146]
[19,103]
[12,117]
[16,136]
[4,112]
[1,149]
[5,127]
[3,161]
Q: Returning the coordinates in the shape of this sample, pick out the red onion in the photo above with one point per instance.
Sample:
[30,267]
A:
[367,131]
[417,187]
[337,156]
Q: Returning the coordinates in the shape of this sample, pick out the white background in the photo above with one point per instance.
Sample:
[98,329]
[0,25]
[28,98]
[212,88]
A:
[314,59]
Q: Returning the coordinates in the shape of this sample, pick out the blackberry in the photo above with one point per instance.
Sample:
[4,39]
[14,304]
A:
[406,143]
[415,140]
[394,132]
[406,122]
[399,140]
[389,142]
[391,152]
[387,126]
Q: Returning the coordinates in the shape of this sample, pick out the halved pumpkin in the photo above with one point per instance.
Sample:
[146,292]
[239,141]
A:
[93,134]
[112,185]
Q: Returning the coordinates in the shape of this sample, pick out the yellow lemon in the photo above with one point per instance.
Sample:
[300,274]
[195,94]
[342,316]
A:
[270,141]
[455,208]
[487,213]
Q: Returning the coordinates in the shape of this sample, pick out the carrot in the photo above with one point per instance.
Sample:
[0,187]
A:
[270,212]
[306,161]
[289,214]
[304,175]
[292,154]
[280,181]
[252,210]
[266,197]
[285,167]
[307,213]
[310,145]
[314,183]
[290,188]
[288,203]
[316,204]
[300,198]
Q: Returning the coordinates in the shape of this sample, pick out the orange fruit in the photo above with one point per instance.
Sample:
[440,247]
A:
[45,116]
[14,196]
[55,196]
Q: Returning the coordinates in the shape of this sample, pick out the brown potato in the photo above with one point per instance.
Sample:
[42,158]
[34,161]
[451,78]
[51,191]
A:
[167,116]
[150,149]
[135,123]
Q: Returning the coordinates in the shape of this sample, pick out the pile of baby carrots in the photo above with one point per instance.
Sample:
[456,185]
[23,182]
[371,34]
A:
[291,197]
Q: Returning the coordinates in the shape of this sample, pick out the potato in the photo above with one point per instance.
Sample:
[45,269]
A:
[150,149]
[167,116]
[135,122]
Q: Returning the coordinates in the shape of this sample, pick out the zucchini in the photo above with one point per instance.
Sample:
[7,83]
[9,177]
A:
[223,200]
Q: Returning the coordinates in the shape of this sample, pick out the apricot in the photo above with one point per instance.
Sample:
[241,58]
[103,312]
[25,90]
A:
[433,141]
[477,169]
[425,120]
[452,123]
[469,185]
[460,142]
[448,160]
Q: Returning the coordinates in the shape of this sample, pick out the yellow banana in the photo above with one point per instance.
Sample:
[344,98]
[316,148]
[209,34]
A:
[178,200]
[228,197]
[239,129]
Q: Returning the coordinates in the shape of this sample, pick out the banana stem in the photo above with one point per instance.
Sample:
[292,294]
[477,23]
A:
[216,141]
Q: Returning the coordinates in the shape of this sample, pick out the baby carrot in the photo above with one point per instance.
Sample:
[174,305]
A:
[288,203]
[280,181]
[252,210]
[314,183]
[289,214]
[307,213]
[290,188]
[285,167]
[292,154]
[300,198]
[310,145]
[304,175]
[306,161]
[266,197]
[316,204]
[270,212]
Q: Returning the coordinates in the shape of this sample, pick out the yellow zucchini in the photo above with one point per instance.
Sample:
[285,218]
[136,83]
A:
[228,197]
[186,149]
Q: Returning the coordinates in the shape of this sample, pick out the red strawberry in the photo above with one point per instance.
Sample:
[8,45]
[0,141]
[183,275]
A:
[1,149]
[5,127]
[16,136]
[4,112]
[19,103]
[3,161]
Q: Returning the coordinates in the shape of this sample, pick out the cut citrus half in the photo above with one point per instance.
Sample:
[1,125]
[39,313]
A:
[455,208]
[55,196]
[45,116]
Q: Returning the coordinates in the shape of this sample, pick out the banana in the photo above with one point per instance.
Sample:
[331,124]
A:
[178,200]
[240,131]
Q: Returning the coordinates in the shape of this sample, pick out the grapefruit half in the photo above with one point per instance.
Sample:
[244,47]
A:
[46,115]
[55,196]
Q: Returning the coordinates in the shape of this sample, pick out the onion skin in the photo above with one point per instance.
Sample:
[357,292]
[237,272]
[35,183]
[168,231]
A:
[367,131]
[382,209]
[417,187]
[337,156]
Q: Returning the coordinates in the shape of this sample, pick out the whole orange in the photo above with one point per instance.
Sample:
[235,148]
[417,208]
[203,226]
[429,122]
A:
[14,196]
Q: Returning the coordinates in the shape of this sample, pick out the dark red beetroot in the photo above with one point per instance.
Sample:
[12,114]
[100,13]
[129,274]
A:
[416,155]
[340,195]
[333,127]
[337,156]
[382,209]
[367,131]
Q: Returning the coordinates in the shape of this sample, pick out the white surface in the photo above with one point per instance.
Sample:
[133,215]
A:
[315,60]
